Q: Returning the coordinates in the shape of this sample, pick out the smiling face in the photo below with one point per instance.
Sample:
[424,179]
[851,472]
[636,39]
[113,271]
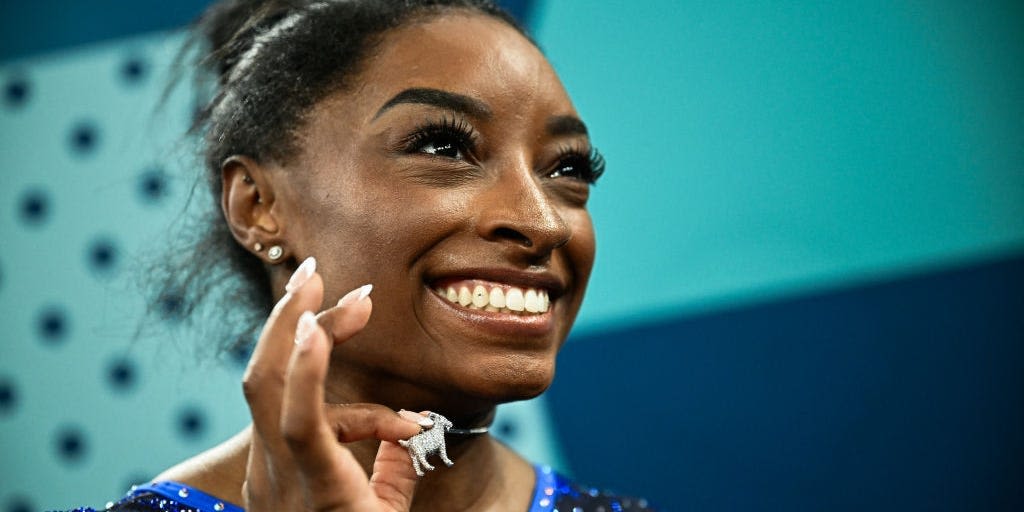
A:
[454,177]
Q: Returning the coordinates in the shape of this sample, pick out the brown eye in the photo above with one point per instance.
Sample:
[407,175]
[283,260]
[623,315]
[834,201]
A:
[569,168]
[442,145]
[447,138]
[583,166]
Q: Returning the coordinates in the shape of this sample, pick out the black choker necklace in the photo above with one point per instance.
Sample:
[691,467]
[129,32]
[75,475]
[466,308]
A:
[469,431]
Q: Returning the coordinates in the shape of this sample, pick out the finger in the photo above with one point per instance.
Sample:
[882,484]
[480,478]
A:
[350,315]
[355,422]
[256,488]
[332,476]
[265,375]
[394,479]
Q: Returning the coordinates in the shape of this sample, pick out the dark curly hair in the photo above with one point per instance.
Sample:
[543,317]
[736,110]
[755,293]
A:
[263,65]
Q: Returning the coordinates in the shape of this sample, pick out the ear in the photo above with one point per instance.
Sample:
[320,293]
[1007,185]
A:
[247,199]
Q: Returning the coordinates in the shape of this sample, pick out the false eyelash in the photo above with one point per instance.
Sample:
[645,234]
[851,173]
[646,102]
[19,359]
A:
[596,165]
[457,129]
[593,159]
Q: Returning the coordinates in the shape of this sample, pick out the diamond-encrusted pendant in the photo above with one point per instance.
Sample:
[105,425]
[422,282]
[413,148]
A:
[428,442]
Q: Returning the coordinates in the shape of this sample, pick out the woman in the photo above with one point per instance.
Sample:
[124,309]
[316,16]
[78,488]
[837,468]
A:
[427,151]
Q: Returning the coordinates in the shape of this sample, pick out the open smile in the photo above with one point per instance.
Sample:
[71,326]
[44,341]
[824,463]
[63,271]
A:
[495,297]
[505,303]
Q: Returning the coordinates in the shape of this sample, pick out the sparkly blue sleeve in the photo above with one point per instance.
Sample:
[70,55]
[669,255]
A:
[551,492]
[167,497]
[554,492]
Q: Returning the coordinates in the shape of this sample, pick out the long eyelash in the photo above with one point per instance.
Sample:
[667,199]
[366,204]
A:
[456,128]
[591,156]
[596,165]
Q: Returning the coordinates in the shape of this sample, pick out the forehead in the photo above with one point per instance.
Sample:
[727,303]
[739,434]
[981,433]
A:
[467,53]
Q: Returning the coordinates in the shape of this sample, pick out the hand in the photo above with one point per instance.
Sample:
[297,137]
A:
[296,459]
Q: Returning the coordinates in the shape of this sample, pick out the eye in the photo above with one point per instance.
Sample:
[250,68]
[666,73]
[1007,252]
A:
[448,138]
[442,145]
[579,165]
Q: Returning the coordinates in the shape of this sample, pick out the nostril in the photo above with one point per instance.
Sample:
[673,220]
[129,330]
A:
[511,234]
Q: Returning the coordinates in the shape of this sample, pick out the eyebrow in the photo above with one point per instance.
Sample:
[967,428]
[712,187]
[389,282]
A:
[565,125]
[438,98]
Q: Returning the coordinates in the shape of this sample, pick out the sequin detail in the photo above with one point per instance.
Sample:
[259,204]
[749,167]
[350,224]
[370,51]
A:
[552,492]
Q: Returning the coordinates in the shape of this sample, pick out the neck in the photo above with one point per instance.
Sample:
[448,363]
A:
[361,386]
[486,475]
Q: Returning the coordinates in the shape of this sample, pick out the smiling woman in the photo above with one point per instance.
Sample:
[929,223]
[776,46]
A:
[427,152]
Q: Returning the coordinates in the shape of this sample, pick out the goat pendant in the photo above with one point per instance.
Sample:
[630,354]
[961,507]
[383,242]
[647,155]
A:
[427,443]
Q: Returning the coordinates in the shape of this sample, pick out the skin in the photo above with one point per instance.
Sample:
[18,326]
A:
[372,210]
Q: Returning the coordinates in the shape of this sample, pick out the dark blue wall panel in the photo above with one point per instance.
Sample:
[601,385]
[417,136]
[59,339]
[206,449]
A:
[28,28]
[902,395]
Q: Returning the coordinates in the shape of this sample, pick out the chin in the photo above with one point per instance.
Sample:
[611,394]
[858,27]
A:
[517,378]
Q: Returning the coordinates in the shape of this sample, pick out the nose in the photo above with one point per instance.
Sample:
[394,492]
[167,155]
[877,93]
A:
[518,212]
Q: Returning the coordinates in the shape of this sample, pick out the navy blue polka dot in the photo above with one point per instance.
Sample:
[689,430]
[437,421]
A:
[19,504]
[191,422]
[16,91]
[102,255]
[507,429]
[34,206]
[171,306]
[241,352]
[153,186]
[71,444]
[8,396]
[84,137]
[134,70]
[52,325]
[121,374]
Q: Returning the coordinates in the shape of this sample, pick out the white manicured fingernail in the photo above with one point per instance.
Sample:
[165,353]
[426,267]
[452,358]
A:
[416,418]
[307,326]
[356,295]
[301,275]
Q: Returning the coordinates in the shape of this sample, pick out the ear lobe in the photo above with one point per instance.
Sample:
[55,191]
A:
[246,199]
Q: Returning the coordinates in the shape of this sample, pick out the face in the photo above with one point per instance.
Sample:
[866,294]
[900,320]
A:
[454,178]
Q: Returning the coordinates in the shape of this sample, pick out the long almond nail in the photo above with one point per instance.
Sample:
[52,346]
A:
[306,327]
[416,418]
[356,295]
[301,275]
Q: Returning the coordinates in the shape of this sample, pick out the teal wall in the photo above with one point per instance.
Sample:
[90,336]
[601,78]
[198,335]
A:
[762,149]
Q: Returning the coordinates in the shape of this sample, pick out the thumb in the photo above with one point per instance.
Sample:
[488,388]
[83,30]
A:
[394,480]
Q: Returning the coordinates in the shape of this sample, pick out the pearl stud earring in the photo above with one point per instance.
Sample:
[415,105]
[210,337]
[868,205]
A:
[275,252]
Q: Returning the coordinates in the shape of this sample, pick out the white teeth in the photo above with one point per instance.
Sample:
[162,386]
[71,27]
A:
[480,296]
[531,301]
[514,300]
[497,298]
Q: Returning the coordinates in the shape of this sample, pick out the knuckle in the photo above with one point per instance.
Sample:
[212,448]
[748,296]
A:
[296,434]
[255,380]
[342,431]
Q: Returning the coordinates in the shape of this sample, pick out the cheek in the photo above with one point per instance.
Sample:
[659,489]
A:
[376,228]
[582,246]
